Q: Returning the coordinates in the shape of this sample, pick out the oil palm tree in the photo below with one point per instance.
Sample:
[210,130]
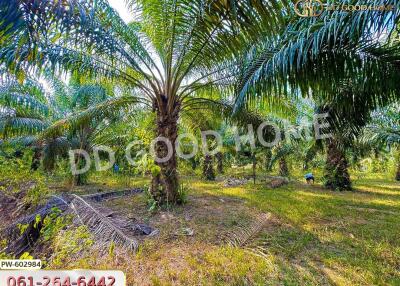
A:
[197,121]
[26,111]
[64,132]
[337,59]
[172,50]
[35,118]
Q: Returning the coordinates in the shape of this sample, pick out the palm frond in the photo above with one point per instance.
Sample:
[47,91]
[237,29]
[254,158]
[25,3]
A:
[15,126]
[105,109]
[12,20]
[29,140]
[101,226]
[243,236]
[281,152]
[99,197]
[22,103]
[384,128]
[315,54]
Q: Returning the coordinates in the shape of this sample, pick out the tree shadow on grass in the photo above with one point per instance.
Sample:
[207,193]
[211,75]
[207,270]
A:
[347,228]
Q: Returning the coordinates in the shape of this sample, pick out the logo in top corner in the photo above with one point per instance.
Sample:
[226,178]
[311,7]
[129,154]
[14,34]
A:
[309,8]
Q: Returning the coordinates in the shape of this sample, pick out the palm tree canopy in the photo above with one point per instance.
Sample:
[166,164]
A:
[338,57]
[23,107]
[384,129]
[173,47]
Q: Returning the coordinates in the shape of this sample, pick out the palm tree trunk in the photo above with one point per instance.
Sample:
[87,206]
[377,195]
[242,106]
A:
[49,160]
[336,174]
[254,168]
[80,179]
[283,168]
[375,165]
[268,157]
[37,155]
[220,162]
[398,166]
[165,183]
[208,170]
[194,163]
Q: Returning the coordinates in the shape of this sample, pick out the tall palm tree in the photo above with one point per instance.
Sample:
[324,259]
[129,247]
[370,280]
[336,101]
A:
[172,50]
[336,58]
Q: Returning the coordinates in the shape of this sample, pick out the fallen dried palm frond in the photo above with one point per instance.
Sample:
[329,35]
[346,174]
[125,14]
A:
[101,226]
[103,196]
[246,234]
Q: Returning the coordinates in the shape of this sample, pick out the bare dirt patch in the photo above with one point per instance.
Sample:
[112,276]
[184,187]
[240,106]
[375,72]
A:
[210,217]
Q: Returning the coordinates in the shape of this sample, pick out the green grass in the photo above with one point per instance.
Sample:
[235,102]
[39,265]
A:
[315,237]
[348,237]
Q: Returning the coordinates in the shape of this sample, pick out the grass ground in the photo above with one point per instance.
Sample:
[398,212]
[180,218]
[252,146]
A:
[315,236]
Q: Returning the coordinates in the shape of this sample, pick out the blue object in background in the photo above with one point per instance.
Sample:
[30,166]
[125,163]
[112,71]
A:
[309,176]
[116,168]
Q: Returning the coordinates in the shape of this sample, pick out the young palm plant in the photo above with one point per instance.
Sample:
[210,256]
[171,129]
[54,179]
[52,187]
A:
[66,131]
[32,117]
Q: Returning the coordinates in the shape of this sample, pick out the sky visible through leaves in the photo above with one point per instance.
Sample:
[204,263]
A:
[120,7]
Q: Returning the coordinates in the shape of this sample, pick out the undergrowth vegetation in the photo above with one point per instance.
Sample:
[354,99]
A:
[315,236]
